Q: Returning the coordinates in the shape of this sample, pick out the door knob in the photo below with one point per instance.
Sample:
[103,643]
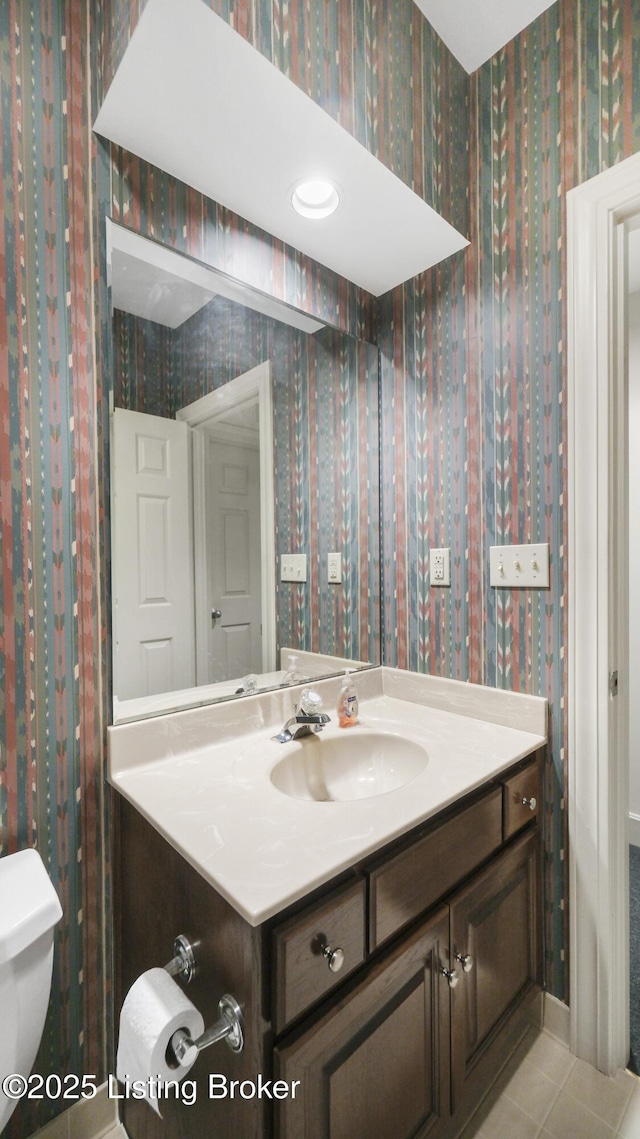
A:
[531,803]
[216,614]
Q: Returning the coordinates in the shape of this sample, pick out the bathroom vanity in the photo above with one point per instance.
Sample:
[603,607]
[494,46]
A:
[386,994]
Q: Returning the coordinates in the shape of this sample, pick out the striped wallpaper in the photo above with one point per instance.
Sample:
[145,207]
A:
[473,372]
[52,632]
[144,365]
[326,451]
[474,384]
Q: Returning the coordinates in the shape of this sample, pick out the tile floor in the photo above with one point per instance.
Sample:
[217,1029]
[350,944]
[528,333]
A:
[545,1093]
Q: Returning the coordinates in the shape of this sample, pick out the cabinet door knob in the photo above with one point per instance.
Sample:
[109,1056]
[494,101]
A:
[334,958]
[466,960]
[452,976]
[531,803]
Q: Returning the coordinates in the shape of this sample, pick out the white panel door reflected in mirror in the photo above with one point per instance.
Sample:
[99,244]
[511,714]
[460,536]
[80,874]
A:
[233,613]
[232,498]
[152,562]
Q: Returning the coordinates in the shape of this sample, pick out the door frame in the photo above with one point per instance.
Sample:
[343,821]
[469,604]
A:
[599,214]
[254,383]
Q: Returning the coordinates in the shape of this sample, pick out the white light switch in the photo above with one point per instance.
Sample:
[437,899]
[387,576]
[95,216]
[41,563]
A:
[513,567]
[293,567]
[440,567]
[334,568]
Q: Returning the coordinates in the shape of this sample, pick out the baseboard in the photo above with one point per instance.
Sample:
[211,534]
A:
[557,1019]
[634,829]
[86,1119]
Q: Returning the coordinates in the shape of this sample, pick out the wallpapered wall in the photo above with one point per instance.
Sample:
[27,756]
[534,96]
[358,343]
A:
[474,367]
[51,638]
[325,390]
[144,365]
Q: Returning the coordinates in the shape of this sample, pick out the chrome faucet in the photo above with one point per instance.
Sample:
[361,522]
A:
[307,718]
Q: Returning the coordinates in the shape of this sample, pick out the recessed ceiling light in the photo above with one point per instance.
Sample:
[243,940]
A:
[315,198]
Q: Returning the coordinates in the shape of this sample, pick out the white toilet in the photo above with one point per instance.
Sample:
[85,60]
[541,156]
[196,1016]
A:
[29,911]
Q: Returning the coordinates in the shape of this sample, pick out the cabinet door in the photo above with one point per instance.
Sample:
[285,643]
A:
[496,921]
[376,1066]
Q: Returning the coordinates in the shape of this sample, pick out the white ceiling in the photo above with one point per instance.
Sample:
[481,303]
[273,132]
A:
[194,98]
[474,30]
[149,291]
[245,415]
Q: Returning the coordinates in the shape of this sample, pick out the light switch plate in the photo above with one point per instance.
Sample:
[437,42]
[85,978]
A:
[293,567]
[517,567]
[440,567]
[334,568]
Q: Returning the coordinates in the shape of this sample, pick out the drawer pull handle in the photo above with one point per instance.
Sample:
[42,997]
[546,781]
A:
[334,958]
[452,976]
[466,960]
[531,803]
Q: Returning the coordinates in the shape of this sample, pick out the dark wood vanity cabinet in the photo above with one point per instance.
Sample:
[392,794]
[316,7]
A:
[409,1052]
[438,943]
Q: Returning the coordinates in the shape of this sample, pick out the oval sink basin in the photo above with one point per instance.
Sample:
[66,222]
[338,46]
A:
[359,766]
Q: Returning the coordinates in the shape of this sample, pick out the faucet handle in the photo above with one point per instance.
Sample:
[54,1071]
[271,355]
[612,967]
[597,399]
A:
[310,702]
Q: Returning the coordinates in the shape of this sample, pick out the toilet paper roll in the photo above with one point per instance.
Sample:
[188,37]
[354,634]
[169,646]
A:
[154,1008]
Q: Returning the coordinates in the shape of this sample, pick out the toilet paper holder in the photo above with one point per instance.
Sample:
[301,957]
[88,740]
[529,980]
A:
[228,1027]
[183,962]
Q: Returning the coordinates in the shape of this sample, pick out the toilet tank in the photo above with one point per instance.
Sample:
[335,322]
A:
[29,911]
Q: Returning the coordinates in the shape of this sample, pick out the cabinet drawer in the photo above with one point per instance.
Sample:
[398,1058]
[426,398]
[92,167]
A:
[524,785]
[403,886]
[301,971]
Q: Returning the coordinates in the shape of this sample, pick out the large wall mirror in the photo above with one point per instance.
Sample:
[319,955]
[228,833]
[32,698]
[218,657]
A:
[245,487]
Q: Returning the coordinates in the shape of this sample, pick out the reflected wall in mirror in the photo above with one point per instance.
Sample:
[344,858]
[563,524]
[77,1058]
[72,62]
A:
[239,438]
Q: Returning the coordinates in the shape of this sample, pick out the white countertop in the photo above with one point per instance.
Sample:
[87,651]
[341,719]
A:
[309,665]
[202,778]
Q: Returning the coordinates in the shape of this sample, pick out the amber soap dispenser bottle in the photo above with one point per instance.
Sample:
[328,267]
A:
[347,703]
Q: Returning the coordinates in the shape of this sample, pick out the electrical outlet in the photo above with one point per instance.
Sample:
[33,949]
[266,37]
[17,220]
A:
[440,567]
[334,568]
[293,567]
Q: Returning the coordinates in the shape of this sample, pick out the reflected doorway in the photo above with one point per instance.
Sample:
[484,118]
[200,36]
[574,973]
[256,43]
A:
[234,527]
[232,618]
